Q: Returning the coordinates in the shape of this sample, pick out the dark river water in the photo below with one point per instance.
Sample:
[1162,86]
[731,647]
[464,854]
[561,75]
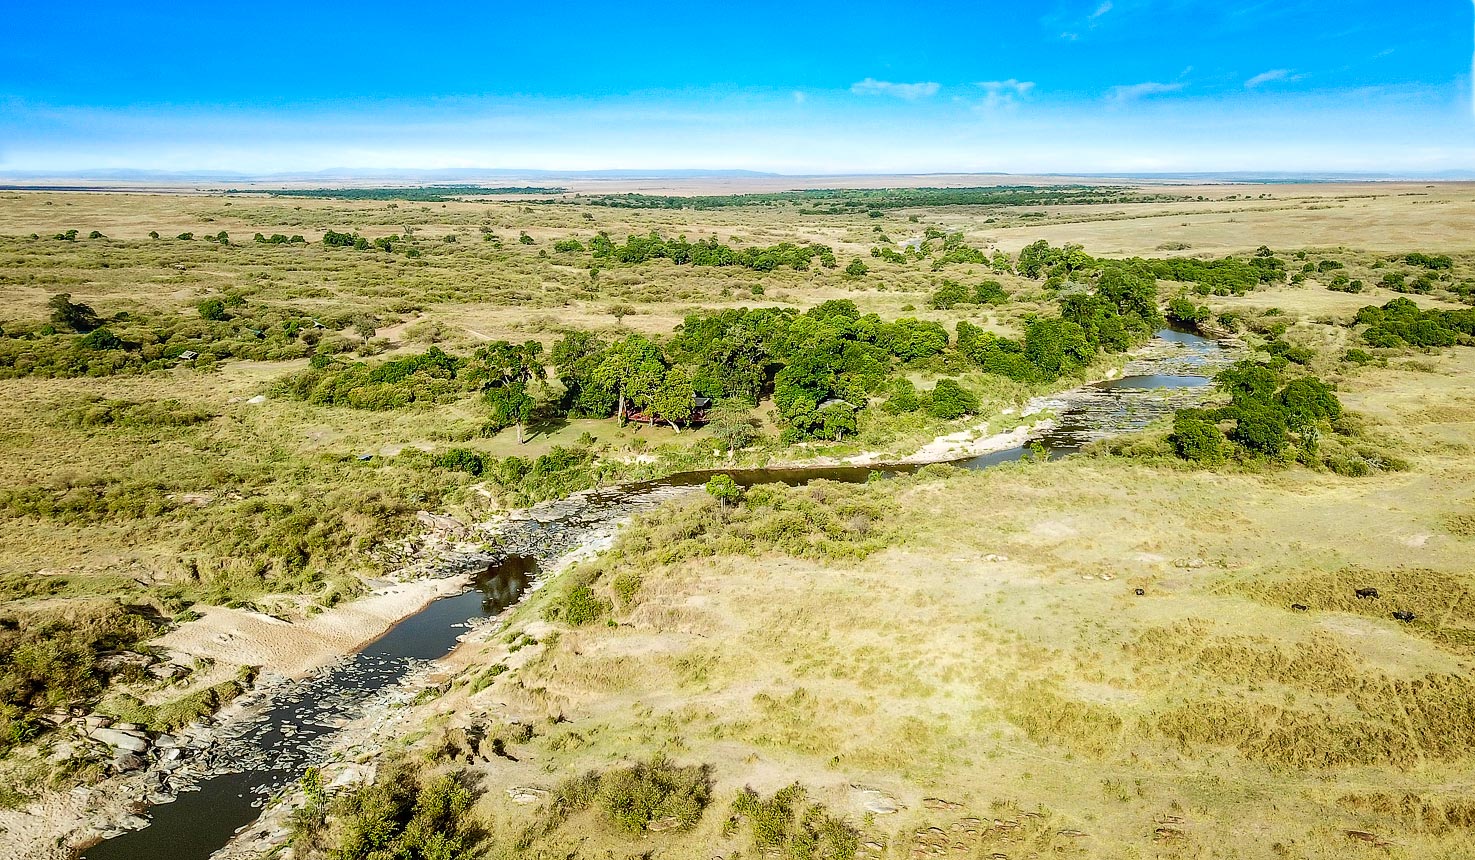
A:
[262,755]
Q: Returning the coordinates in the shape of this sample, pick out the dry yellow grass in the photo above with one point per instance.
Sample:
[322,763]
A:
[999,654]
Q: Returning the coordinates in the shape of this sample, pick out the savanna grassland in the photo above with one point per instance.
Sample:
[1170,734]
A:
[946,664]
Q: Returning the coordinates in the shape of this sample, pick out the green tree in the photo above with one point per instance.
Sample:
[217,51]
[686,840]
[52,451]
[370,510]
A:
[1259,426]
[730,421]
[725,490]
[856,268]
[835,420]
[74,315]
[633,368]
[507,371]
[674,400]
[212,309]
[577,358]
[950,400]
[1196,439]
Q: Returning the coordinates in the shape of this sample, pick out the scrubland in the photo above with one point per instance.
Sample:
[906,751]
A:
[948,664]
[972,647]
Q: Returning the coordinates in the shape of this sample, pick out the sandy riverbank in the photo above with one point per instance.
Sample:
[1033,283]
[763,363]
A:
[295,648]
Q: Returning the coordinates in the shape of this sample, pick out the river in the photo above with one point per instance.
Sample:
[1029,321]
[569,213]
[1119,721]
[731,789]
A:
[290,729]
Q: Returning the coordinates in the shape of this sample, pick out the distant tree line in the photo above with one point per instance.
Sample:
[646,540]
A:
[849,201]
[418,194]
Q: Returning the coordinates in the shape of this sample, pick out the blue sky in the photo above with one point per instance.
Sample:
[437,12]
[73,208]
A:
[1052,86]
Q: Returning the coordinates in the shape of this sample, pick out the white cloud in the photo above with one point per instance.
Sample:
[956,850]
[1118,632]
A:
[1100,10]
[1271,77]
[910,92]
[1133,92]
[1005,93]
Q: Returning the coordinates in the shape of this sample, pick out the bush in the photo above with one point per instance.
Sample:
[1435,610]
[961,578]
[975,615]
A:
[401,815]
[949,295]
[950,400]
[640,795]
[579,606]
[787,826]
[1197,440]
[50,659]
[212,309]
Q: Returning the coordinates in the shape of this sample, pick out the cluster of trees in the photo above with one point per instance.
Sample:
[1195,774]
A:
[429,377]
[710,252]
[1401,323]
[1225,276]
[954,249]
[1429,261]
[1119,313]
[1422,284]
[1184,312]
[950,294]
[947,399]
[78,341]
[1267,415]
[387,244]
[819,366]
[279,239]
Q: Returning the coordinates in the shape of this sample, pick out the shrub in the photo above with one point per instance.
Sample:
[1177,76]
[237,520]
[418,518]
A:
[949,295]
[579,606]
[950,400]
[787,826]
[50,658]
[1197,440]
[400,815]
[647,792]
[212,309]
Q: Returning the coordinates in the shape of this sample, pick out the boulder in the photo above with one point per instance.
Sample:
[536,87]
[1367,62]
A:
[523,795]
[112,664]
[119,739]
[96,721]
[126,761]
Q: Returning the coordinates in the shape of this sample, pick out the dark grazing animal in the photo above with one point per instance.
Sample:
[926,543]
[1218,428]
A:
[1139,591]
[1402,615]
[1367,594]
[1300,607]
